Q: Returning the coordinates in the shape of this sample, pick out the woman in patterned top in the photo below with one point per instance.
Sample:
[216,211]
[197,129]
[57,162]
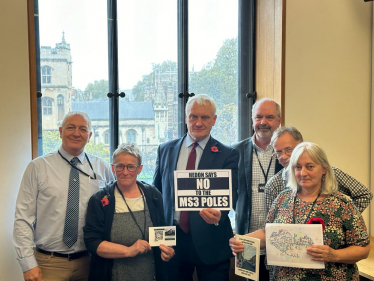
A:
[313,194]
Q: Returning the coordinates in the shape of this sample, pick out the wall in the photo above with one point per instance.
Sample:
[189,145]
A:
[15,149]
[328,72]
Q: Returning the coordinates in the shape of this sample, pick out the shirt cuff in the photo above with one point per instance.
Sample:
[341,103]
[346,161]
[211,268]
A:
[27,263]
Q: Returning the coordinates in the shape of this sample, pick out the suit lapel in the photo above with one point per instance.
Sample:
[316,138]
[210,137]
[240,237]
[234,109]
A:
[248,154]
[173,159]
[208,156]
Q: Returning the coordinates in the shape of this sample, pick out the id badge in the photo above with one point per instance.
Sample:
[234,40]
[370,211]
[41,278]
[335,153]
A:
[261,187]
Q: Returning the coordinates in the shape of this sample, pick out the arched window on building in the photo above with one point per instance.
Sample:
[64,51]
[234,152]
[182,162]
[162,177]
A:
[47,105]
[46,74]
[60,107]
[131,135]
[106,137]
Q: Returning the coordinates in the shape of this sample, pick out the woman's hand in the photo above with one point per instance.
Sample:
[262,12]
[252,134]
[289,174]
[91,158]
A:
[166,252]
[236,246]
[350,254]
[322,253]
[139,247]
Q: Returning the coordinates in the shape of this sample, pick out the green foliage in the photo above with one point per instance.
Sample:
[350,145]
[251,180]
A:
[99,150]
[97,90]
[219,78]
[52,142]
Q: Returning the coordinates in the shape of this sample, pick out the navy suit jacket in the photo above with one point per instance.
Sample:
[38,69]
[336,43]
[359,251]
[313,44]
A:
[244,204]
[211,242]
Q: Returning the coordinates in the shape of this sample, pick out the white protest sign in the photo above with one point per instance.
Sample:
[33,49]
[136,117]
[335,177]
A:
[195,190]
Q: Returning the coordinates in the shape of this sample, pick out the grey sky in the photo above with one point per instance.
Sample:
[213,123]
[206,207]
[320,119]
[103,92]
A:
[147,34]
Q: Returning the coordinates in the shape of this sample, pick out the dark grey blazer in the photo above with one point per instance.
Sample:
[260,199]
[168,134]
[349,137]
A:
[211,242]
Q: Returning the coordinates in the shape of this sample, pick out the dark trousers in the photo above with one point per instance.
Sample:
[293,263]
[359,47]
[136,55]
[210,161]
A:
[182,266]
[264,273]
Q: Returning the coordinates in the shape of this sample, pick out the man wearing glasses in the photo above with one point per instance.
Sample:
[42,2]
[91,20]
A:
[284,140]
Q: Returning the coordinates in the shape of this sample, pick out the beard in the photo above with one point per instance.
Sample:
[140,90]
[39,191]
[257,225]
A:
[263,134]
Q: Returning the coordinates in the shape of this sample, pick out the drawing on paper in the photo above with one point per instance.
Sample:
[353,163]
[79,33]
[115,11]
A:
[286,244]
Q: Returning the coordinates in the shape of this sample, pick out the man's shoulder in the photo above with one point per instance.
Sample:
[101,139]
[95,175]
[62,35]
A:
[46,158]
[276,180]
[93,157]
[170,143]
[242,143]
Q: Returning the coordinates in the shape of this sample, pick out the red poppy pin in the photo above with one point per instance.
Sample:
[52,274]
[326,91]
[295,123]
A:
[317,221]
[105,201]
[214,148]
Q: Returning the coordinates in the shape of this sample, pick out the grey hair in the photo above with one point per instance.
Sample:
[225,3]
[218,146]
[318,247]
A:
[128,148]
[257,103]
[201,99]
[286,129]
[316,153]
[80,113]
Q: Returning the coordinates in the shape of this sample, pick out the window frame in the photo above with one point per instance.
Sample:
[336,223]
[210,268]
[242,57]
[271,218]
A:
[246,41]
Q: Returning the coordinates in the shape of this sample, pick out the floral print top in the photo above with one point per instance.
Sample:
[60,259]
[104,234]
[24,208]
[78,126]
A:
[344,227]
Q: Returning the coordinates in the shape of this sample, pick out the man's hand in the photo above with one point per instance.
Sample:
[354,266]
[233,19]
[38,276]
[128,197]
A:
[210,215]
[33,274]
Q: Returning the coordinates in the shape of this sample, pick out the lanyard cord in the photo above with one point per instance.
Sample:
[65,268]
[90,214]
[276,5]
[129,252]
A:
[132,214]
[262,169]
[310,212]
[79,170]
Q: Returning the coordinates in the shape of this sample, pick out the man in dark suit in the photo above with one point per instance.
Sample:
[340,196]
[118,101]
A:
[257,164]
[204,244]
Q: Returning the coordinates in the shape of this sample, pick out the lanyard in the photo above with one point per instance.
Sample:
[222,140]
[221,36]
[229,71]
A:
[132,214]
[79,170]
[262,169]
[310,212]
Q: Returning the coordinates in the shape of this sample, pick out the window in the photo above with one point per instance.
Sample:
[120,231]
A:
[106,137]
[46,74]
[131,136]
[60,106]
[47,106]
[152,51]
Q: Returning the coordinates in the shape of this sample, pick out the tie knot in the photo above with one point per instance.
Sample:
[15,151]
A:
[74,161]
[195,144]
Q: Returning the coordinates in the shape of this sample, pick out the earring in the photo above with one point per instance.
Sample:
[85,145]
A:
[323,178]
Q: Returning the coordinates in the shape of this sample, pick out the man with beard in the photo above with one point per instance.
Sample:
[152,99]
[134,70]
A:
[257,164]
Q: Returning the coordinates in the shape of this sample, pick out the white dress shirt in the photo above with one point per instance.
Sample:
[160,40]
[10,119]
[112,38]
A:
[41,203]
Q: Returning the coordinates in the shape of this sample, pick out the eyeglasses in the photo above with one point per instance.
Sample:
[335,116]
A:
[121,167]
[287,151]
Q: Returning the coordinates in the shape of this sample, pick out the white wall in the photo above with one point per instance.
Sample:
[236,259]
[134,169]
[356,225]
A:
[15,148]
[328,79]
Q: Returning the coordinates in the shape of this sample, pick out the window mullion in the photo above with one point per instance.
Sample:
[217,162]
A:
[113,74]
[182,62]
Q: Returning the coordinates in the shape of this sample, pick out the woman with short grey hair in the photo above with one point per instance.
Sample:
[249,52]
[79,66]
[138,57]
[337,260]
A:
[118,220]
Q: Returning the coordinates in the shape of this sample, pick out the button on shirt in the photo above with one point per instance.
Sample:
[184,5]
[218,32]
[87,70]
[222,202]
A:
[258,214]
[183,158]
[41,204]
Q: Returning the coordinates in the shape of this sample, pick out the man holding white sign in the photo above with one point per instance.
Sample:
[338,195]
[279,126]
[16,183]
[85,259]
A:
[201,236]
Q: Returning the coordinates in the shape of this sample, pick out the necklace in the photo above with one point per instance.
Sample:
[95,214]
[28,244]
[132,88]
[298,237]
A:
[311,210]
[132,214]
